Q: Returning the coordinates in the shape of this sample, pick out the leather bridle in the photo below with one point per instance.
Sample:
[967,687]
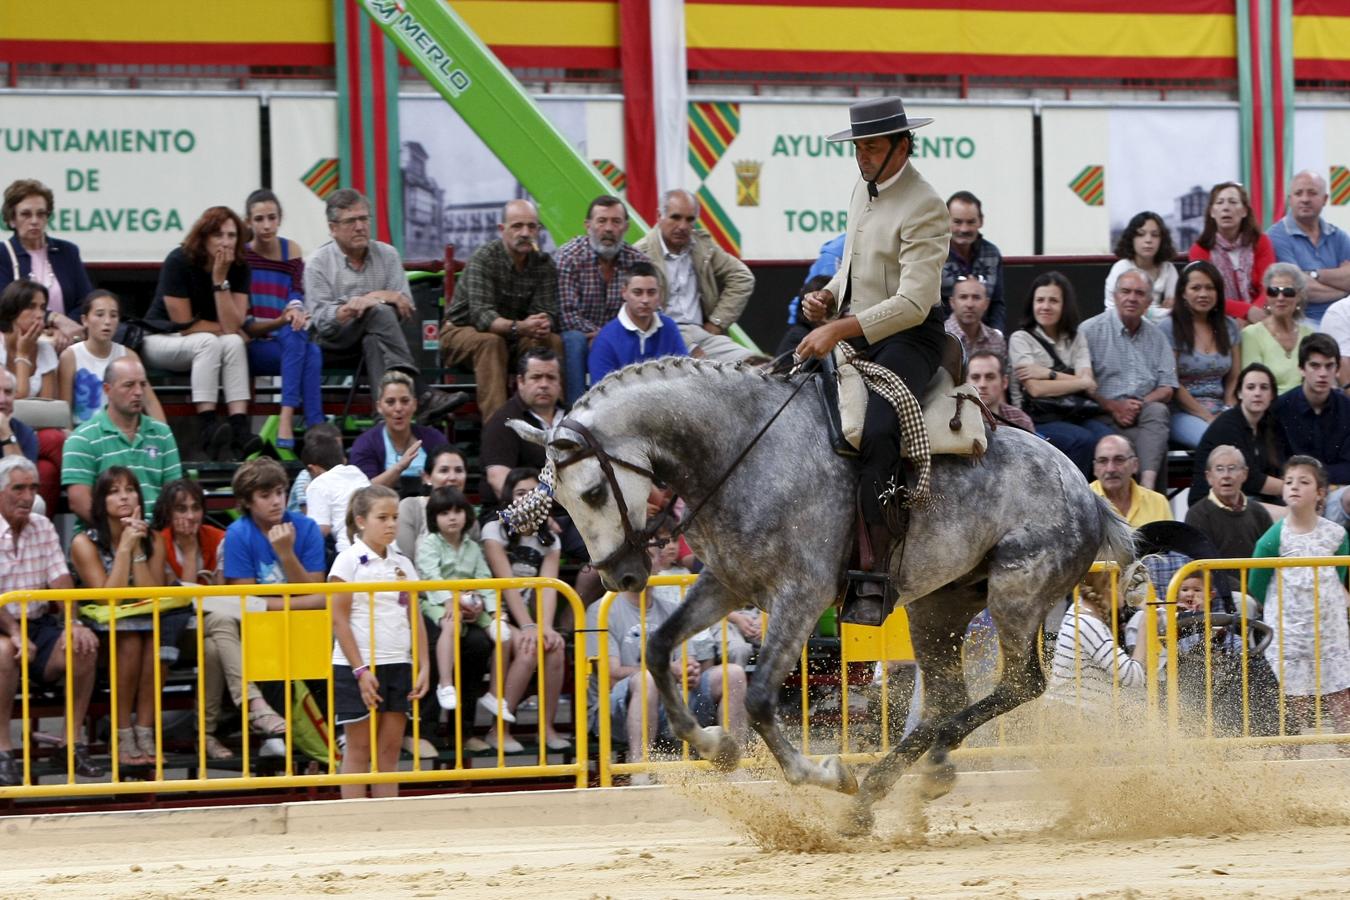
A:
[639,540]
[636,540]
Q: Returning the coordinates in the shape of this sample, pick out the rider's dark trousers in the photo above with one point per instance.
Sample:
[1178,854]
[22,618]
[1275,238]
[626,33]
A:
[914,355]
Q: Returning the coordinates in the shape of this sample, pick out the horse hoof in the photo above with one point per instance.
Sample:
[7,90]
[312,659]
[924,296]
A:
[838,776]
[937,780]
[726,754]
[858,821]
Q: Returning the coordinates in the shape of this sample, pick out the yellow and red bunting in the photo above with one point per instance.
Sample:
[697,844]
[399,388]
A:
[1152,39]
[1090,185]
[322,178]
[1340,185]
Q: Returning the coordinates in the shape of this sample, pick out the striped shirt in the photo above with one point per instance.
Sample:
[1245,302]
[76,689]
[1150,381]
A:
[98,445]
[1084,677]
[274,282]
[31,563]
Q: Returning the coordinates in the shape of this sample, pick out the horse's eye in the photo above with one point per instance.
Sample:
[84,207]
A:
[595,496]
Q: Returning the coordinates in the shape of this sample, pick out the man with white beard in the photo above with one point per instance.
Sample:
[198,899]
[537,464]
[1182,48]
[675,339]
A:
[592,268]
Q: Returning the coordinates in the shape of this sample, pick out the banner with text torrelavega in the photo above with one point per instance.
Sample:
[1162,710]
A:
[131,173]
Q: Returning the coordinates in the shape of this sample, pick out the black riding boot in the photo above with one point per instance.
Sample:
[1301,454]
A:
[871,594]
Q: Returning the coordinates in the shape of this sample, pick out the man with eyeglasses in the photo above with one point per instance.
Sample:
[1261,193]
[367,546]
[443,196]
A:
[971,253]
[1233,521]
[1310,242]
[1115,464]
[357,293]
[1316,418]
[970,302]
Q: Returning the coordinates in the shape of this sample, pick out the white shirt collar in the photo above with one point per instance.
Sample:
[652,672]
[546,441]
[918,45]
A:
[666,251]
[626,321]
[882,185]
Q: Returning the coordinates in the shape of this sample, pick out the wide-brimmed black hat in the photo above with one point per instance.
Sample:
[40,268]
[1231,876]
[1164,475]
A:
[877,117]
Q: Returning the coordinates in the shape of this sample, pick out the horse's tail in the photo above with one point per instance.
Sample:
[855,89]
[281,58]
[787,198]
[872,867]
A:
[1118,538]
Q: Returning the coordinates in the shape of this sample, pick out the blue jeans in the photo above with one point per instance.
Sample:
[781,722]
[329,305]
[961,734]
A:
[1076,440]
[576,350]
[1187,430]
[299,362]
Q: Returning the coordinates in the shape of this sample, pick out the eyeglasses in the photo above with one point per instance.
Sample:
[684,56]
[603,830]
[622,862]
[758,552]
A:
[1289,292]
[1112,460]
[1227,470]
[354,220]
[40,215]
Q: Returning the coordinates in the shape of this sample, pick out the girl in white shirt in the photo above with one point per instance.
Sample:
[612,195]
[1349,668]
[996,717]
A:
[373,635]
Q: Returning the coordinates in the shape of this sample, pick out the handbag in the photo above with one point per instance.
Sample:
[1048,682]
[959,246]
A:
[1064,408]
[130,333]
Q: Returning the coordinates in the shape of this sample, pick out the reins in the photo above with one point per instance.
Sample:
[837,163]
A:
[640,540]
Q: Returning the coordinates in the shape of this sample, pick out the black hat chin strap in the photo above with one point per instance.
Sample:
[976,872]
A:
[872,182]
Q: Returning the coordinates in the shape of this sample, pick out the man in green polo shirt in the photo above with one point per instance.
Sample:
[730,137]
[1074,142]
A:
[119,435]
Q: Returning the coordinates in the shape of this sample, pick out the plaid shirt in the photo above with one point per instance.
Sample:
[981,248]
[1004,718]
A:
[986,261]
[31,563]
[491,287]
[586,300]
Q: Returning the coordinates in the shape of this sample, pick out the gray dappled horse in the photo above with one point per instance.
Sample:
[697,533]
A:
[1015,531]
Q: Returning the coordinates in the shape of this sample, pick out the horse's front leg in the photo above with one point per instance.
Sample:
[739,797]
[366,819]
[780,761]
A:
[778,655]
[705,603]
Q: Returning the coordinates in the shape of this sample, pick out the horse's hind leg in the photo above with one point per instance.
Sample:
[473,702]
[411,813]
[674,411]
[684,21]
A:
[778,655]
[706,603]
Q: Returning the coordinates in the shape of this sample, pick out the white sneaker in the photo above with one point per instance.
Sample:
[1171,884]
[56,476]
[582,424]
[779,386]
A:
[509,744]
[490,702]
[272,747]
[422,750]
[446,696]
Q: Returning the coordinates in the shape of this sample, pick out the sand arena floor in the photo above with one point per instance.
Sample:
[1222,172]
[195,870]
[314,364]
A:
[1270,829]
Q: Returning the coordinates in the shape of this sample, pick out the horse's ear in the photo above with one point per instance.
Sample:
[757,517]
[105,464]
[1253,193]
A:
[527,431]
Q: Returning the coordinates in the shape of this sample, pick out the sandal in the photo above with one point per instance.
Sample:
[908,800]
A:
[128,752]
[215,749]
[268,724]
[145,739]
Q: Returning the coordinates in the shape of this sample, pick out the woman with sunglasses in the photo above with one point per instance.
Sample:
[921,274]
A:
[1274,340]
[1233,241]
[1205,342]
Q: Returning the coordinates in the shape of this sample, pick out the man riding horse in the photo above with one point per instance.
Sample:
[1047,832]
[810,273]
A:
[884,302]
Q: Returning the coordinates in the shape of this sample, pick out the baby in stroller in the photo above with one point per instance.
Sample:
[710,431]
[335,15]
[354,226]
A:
[1170,545]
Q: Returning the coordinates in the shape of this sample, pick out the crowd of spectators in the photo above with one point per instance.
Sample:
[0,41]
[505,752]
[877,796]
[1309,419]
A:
[1220,356]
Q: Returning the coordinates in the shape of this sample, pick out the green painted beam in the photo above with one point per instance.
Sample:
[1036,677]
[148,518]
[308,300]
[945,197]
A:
[491,102]
[494,104]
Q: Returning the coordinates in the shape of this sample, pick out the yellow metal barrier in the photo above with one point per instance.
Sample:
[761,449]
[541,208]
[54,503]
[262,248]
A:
[1277,610]
[286,644]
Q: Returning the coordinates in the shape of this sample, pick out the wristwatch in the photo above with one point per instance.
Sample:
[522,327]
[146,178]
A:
[223,286]
[515,328]
[1053,374]
[8,441]
[1312,273]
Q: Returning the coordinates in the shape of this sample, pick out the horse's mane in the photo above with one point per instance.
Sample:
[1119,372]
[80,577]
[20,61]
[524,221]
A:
[665,366]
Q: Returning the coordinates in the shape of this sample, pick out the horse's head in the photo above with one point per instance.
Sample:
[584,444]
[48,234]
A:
[605,492]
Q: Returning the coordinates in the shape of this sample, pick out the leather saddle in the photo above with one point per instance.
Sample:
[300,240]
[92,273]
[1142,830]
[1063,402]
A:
[951,408]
